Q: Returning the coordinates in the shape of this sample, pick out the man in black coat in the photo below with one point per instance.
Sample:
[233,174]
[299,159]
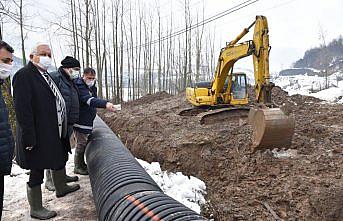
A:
[89,101]
[63,79]
[41,141]
[6,138]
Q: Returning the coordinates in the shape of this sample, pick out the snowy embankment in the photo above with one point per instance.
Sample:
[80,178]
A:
[313,86]
[188,191]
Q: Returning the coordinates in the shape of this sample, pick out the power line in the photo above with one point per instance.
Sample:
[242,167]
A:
[205,21]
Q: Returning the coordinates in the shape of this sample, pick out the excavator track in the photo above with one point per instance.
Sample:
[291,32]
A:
[193,111]
[234,114]
[210,115]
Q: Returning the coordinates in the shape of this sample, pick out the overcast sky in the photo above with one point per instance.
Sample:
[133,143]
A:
[293,24]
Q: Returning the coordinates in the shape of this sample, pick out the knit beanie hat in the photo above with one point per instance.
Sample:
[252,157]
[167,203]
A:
[70,62]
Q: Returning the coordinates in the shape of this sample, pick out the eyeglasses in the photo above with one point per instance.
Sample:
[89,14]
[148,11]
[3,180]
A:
[90,78]
[7,60]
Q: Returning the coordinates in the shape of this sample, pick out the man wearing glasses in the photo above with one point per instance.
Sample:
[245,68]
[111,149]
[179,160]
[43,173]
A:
[88,104]
[6,138]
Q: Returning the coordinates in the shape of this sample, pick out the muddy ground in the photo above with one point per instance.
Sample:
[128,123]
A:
[305,183]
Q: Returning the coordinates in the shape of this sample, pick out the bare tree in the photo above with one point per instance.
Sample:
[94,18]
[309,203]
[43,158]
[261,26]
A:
[121,50]
[87,32]
[131,55]
[198,48]
[325,59]
[141,54]
[186,46]
[21,23]
[159,48]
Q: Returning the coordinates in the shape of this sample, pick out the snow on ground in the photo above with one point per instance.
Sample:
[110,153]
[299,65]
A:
[80,206]
[313,86]
[187,190]
[75,206]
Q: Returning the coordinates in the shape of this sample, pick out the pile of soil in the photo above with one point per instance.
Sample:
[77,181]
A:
[305,183]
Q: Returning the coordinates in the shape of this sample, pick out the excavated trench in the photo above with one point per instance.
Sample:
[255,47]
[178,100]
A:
[305,183]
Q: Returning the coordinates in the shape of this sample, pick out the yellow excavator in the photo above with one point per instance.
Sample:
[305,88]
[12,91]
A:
[228,92]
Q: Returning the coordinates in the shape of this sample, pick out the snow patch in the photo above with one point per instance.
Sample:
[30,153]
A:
[290,153]
[313,86]
[189,191]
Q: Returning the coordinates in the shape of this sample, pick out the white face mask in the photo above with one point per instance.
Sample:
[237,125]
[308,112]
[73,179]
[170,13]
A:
[5,70]
[44,62]
[74,74]
[90,83]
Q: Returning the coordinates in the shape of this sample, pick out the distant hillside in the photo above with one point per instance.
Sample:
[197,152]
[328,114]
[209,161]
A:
[317,59]
[299,71]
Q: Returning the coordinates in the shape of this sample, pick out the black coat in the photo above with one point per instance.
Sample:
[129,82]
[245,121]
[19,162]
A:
[69,93]
[6,139]
[89,102]
[37,123]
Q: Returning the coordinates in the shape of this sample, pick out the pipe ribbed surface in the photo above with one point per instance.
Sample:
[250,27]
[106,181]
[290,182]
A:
[122,190]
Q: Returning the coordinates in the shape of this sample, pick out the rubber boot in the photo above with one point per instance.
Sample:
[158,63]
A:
[83,163]
[80,166]
[61,186]
[49,184]
[71,178]
[34,196]
[48,181]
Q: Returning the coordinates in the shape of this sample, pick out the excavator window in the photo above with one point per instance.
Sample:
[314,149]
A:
[239,86]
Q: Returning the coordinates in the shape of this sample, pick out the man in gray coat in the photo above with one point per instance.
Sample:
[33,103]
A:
[68,70]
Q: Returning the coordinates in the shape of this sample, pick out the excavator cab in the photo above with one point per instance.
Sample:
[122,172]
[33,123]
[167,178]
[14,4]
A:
[239,90]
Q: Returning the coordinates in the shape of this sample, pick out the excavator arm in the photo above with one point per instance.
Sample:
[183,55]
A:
[263,86]
[259,49]
[226,61]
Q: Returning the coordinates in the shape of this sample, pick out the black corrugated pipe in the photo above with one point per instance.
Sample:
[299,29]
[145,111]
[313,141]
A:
[122,190]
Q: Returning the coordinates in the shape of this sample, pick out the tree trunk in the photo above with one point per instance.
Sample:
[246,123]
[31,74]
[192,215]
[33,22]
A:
[22,32]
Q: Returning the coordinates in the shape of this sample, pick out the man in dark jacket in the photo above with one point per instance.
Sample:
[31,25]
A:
[63,79]
[41,140]
[88,104]
[6,138]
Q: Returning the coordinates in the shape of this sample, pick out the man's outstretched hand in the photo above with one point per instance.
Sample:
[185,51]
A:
[110,107]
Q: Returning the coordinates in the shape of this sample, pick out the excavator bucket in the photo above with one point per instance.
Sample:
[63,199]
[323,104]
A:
[271,129]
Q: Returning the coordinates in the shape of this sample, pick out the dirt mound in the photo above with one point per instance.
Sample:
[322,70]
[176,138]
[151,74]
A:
[305,183]
[148,99]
